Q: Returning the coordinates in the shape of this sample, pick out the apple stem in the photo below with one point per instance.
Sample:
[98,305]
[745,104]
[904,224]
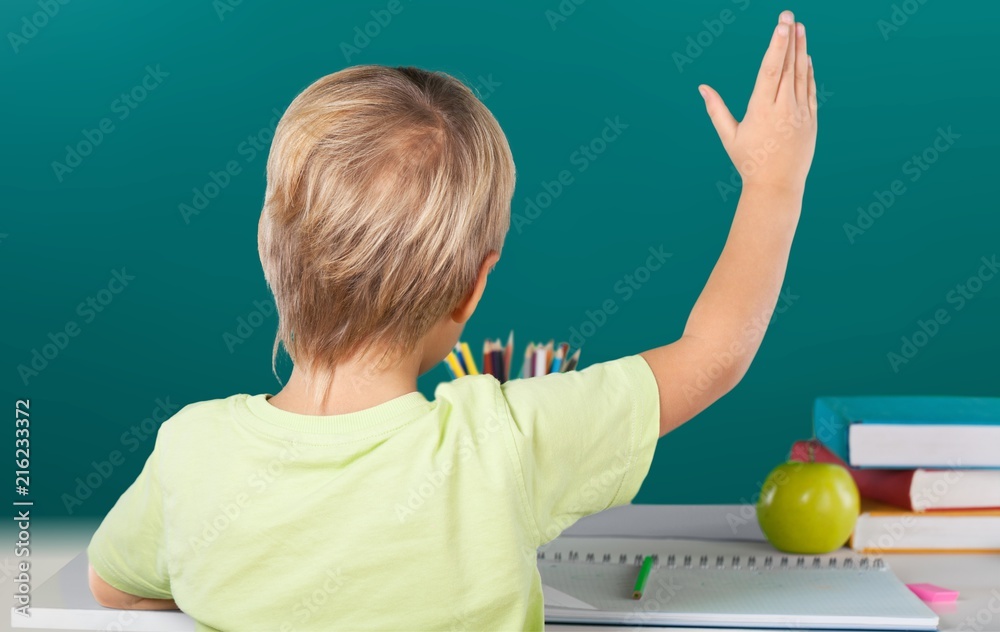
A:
[812,451]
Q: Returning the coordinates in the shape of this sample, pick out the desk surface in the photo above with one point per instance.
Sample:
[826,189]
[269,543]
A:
[64,602]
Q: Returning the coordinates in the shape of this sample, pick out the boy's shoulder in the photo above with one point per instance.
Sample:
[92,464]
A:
[469,393]
[201,415]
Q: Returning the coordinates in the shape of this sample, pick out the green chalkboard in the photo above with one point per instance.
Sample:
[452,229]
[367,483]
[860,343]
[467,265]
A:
[136,136]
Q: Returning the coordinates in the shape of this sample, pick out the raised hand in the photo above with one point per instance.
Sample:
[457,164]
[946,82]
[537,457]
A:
[773,145]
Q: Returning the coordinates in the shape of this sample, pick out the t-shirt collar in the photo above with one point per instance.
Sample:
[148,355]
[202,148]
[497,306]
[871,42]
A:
[393,413]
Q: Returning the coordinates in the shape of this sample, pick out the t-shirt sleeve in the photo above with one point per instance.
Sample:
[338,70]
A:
[584,439]
[128,551]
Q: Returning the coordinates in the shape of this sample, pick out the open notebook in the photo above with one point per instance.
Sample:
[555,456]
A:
[723,584]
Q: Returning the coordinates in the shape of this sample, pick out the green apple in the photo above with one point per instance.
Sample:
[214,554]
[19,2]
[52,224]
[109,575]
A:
[808,508]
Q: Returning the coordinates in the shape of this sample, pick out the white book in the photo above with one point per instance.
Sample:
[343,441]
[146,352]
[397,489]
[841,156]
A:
[954,489]
[924,445]
[883,528]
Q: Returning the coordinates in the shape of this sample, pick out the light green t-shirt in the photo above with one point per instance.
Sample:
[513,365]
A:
[412,515]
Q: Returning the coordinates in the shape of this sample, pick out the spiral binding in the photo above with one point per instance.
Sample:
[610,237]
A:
[735,562]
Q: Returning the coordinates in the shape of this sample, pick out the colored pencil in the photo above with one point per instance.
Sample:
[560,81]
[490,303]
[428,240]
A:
[487,358]
[457,351]
[508,356]
[572,362]
[496,356]
[454,365]
[565,350]
[557,360]
[640,581]
[541,361]
[529,354]
[470,363]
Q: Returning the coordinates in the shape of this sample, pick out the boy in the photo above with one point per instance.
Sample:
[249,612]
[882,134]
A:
[348,500]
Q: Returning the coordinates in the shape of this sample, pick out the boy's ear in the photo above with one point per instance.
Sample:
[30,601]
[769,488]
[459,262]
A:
[464,311]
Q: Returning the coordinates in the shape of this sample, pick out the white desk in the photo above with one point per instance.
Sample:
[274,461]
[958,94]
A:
[64,602]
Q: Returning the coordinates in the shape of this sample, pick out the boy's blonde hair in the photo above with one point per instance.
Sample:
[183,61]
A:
[386,190]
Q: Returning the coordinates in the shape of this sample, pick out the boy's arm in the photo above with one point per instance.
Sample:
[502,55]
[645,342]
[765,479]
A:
[110,597]
[127,554]
[772,149]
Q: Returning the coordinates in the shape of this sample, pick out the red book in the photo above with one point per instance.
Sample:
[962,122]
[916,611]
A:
[915,490]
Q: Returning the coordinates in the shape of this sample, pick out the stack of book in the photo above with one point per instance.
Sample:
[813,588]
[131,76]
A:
[927,468]
[539,359]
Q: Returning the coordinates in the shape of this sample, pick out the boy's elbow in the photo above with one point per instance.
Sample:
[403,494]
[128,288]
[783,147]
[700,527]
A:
[110,597]
[723,371]
[107,595]
[735,375]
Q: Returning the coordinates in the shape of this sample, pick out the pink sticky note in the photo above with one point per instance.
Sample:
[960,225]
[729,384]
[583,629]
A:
[933,594]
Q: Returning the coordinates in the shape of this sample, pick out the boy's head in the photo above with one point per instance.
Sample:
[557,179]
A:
[388,197]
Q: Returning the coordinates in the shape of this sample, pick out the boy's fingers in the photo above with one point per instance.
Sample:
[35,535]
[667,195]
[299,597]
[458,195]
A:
[769,75]
[722,119]
[801,66]
[787,87]
[813,105]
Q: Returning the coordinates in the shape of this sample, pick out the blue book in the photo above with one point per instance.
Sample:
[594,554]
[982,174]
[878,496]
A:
[911,432]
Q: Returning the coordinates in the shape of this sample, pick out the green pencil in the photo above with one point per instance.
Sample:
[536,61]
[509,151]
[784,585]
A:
[640,582]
